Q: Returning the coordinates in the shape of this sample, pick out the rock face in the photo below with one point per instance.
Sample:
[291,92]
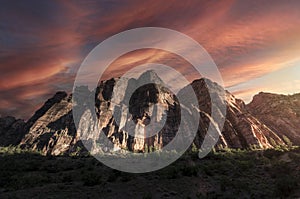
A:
[241,129]
[11,131]
[52,129]
[124,119]
[280,112]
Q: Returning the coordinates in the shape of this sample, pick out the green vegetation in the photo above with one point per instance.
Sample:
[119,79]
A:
[287,141]
[273,173]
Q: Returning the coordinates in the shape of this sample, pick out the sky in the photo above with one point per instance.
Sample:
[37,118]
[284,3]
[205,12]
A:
[255,44]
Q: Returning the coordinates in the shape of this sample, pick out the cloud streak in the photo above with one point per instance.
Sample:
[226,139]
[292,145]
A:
[42,43]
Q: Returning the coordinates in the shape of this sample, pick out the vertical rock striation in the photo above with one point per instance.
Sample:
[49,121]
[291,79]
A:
[126,120]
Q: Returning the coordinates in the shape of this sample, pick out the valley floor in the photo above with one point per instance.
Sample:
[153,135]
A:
[228,174]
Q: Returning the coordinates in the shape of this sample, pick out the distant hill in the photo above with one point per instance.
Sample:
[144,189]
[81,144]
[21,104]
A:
[279,112]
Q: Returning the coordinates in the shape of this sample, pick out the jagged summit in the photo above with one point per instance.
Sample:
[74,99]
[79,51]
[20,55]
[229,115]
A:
[150,76]
[52,130]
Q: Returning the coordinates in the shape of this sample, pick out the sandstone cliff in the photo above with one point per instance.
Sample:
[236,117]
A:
[11,131]
[52,129]
[280,112]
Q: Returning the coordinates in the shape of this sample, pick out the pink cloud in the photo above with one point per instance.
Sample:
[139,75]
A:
[42,51]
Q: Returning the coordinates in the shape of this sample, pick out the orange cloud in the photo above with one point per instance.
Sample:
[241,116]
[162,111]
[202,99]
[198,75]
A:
[43,44]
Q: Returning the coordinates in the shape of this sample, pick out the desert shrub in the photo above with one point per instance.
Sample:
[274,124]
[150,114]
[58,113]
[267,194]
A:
[244,165]
[241,185]
[272,153]
[67,178]
[189,170]
[272,142]
[287,141]
[170,172]
[22,181]
[207,170]
[286,185]
[279,168]
[113,176]
[194,148]
[91,179]
[254,147]
[295,157]
[125,177]
[32,165]
[147,195]
[224,183]
[51,168]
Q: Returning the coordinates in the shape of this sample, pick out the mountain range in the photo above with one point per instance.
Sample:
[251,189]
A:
[269,120]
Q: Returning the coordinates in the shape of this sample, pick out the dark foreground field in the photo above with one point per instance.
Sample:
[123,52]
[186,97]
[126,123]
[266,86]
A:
[229,174]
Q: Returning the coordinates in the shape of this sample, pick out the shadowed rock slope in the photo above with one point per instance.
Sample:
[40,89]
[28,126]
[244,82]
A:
[52,129]
[11,131]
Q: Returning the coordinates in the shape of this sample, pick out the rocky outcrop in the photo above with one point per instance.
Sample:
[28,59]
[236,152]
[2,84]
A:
[241,129]
[51,129]
[11,131]
[281,113]
[125,120]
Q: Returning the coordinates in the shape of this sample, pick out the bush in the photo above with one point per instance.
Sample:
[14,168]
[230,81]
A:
[67,178]
[287,141]
[91,179]
[147,195]
[170,172]
[189,171]
[286,185]
[112,177]
[272,142]
[125,177]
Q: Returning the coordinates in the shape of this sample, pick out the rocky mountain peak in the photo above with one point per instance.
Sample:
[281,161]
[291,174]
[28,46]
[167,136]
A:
[150,76]
[280,112]
[52,130]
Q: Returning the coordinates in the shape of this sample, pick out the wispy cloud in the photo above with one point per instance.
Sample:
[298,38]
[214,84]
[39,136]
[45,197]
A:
[42,43]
